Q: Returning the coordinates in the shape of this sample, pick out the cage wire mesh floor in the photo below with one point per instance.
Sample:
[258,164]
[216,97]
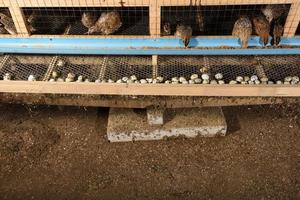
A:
[49,21]
[116,68]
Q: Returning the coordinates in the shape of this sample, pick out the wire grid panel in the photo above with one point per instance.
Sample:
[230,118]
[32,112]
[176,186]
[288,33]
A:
[217,19]
[87,20]
[118,67]
[20,67]
[89,67]
[185,66]
[7,25]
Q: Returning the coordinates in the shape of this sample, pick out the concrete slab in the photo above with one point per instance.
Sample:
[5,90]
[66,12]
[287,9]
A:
[126,125]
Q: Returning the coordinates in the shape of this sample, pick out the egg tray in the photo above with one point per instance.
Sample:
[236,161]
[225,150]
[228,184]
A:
[135,20]
[117,67]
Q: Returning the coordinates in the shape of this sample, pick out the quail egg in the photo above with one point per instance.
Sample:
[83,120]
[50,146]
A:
[221,82]
[194,76]
[182,79]
[79,79]
[288,79]
[213,82]
[232,82]
[203,69]
[205,76]
[175,79]
[119,81]
[60,80]
[160,79]
[185,82]
[175,82]
[110,81]
[244,82]
[198,81]
[264,79]
[279,82]
[55,74]
[286,83]
[154,81]
[52,80]
[87,80]
[205,81]
[124,79]
[129,81]
[60,63]
[133,78]
[99,81]
[167,82]
[239,79]
[294,82]
[149,80]
[251,82]
[295,78]
[143,81]
[246,78]
[270,82]
[253,78]
[31,78]
[257,82]
[219,76]
[191,81]
[7,77]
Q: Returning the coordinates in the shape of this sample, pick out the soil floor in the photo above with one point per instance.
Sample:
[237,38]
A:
[63,153]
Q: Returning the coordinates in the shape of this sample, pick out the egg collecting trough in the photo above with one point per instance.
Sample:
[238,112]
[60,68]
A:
[160,48]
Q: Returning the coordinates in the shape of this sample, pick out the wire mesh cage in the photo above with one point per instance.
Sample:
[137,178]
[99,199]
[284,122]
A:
[7,25]
[88,20]
[219,20]
[121,69]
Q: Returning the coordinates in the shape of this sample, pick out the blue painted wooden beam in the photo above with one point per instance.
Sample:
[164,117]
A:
[143,46]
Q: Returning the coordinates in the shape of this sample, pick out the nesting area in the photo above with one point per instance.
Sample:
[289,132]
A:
[69,21]
[139,69]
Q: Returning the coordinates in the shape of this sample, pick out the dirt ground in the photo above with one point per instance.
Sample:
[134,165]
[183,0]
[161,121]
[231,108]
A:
[62,153]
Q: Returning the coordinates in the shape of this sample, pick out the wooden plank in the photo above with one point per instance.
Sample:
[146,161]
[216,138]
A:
[19,19]
[148,90]
[292,20]
[81,3]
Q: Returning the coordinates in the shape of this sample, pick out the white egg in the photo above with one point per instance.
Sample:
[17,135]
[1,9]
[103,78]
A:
[119,81]
[239,79]
[79,79]
[288,79]
[154,81]
[198,81]
[194,76]
[205,76]
[221,82]
[232,82]
[52,80]
[213,82]
[31,78]
[219,76]
[143,81]
[254,78]
[279,82]
[133,78]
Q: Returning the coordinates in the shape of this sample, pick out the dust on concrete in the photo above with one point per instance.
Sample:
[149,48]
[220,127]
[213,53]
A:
[63,153]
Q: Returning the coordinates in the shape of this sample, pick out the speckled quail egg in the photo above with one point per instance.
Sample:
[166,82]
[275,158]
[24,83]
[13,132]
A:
[295,78]
[221,82]
[203,69]
[149,80]
[31,78]
[60,80]
[257,82]
[191,81]
[110,81]
[133,78]
[198,81]
[160,79]
[60,63]
[79,79]
[205,82]
[288,79]
[253,78]
[55,74]
[246,78]
[143,81]
[219,76]
[52,80]
[7,77]
[205,76]
[239,79]
[232,82]
[264,79]
[125,79]
[175,79]
[182,79]
[194,76]
[213,82]
[167,82]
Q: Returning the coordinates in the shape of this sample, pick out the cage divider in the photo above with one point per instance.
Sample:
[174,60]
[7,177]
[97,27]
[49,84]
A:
[50,68]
